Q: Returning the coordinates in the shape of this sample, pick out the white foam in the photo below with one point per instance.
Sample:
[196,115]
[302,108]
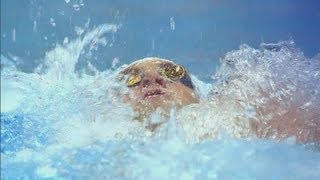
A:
[94,134]
[11,96]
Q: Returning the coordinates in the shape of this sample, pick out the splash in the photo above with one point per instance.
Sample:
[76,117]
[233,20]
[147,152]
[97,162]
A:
[271,92]
[57,123]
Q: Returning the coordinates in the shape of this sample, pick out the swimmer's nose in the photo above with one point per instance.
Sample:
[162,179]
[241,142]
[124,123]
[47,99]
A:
[153,80]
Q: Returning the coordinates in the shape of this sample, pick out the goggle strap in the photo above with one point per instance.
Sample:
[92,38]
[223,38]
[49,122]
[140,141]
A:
[186,80]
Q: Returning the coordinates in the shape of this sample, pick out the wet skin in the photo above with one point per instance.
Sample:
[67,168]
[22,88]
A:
[155,91]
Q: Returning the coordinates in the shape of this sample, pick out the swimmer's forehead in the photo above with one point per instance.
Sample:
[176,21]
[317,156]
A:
[147,63]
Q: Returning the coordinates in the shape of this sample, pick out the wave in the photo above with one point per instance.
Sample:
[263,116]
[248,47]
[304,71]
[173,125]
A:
[59,123]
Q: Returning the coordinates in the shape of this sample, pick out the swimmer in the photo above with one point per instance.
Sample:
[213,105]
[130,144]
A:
[156,83]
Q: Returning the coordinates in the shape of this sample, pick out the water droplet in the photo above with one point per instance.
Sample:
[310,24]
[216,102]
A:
[52,22]
[14,34]
[34,26]
[115,61]
[76,7]
[78,30]
[172,24]
[66,40]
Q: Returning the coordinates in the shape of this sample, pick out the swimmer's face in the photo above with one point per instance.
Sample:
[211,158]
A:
[158,84]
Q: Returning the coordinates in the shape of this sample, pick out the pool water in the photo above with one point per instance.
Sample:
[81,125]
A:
[62,116]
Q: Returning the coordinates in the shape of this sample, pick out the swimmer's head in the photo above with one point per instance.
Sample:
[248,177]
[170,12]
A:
[157,83]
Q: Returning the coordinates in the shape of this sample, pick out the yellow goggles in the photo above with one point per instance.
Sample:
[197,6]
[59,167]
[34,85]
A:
[172,72]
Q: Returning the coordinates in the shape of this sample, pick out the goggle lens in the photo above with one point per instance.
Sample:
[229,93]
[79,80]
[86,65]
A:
[174,72]
[168,71]
[134,80]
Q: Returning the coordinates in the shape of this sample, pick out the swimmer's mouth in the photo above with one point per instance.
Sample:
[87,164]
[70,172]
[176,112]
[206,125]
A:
[153,93]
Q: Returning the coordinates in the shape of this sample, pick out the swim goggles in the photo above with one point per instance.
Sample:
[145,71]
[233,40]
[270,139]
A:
[171,72]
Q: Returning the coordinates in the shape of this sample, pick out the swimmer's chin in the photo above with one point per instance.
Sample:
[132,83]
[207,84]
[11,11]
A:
[152,104]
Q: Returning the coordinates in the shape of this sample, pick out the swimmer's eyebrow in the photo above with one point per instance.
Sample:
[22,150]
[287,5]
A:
[130,70]
[166,64]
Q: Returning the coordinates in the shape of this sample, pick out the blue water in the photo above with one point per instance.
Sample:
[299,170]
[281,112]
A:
[203,31]
[61,119]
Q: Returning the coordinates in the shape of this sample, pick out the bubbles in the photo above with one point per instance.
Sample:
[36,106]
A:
[172,160]
[275,82]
